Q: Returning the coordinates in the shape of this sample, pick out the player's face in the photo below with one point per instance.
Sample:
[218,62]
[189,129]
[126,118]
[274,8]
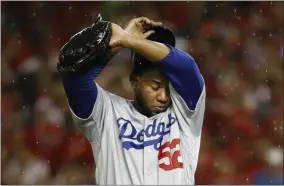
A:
[151,91]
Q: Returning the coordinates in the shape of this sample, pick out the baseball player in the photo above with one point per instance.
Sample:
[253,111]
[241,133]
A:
[153,139]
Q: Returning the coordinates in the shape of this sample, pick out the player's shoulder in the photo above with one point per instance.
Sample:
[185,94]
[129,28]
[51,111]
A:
[114,98]
[117,98]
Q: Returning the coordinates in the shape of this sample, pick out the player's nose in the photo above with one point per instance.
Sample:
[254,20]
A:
[163,96]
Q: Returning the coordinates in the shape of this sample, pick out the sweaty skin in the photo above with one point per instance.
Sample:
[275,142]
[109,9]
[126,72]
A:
[178,66]
[151,92]
[81,90]
[153,51]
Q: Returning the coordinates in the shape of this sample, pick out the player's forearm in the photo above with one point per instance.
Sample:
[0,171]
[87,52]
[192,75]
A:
[81,91]
[183,73]
[113,52]
[153,51]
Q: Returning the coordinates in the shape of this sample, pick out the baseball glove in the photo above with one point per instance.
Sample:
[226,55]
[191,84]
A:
[86,48]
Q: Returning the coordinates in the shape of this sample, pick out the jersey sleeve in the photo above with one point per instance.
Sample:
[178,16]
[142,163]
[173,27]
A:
[85,99]
[187,85]
[92,127]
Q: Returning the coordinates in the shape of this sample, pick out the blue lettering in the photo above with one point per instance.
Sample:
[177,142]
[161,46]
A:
[128,145]
[172,120]
[158,144]
[152,127]
[161,128]
[140,136]
[128,131]
[124,127]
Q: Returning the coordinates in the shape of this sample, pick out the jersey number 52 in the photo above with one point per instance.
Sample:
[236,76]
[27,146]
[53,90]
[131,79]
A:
[172,159]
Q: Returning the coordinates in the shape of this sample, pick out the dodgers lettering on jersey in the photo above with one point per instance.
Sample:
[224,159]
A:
[131,138]
[130,148]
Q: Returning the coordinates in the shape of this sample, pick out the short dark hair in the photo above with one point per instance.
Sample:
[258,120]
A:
[143,66]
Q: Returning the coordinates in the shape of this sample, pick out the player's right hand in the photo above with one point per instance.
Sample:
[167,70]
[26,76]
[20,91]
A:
[118,38]
[140,27]
[137,27]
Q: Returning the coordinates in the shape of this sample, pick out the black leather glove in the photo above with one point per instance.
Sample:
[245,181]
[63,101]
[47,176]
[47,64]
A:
[86,48]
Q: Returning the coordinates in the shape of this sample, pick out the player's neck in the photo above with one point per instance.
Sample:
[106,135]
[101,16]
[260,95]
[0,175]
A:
[140,108]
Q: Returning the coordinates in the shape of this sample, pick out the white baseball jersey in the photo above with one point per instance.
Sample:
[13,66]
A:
[130,148]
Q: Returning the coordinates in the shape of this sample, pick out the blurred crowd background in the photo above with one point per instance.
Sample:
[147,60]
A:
[238,47]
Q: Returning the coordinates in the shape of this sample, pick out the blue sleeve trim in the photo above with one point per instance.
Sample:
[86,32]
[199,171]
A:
[81,91]
[184,75]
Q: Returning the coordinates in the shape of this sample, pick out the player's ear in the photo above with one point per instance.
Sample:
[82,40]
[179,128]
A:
[133,80]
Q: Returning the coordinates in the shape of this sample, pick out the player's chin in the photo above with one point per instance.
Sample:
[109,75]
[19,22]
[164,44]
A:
[158,110]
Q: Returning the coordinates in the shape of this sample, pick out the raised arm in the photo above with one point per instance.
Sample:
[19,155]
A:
[153,51]
[81,89]
[178,66]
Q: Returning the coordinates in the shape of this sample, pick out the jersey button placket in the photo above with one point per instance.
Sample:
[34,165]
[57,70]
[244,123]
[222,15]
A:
[148,158]
[147,154]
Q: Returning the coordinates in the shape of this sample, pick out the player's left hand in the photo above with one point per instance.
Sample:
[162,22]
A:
[119,37]
[140,27]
